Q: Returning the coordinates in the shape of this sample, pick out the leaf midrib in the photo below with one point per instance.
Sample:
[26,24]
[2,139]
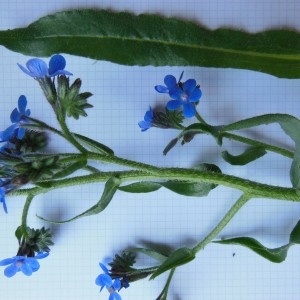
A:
[184,45]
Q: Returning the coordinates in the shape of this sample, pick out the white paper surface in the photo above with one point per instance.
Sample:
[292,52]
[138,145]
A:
[121,97]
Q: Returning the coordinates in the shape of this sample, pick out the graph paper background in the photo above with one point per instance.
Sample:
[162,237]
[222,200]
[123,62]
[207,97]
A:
[121,97]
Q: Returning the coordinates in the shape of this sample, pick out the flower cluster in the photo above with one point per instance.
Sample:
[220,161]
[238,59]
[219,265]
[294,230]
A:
[185,94]
[37,68]
[13,132]
[105,280]
[18,263]
[17,117]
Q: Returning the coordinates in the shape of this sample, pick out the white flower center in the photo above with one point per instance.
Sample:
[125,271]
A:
[184,97]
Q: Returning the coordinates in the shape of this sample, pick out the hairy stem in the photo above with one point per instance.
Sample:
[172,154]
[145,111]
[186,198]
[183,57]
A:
[225,220]
[25,212]
[255,189]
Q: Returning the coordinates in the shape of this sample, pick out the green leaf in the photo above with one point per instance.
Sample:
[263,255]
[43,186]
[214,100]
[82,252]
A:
[289,124]
[196,189]
[70,169]
[93,145]
[141,187]
[275,255]
[127,39]
[246,157]
[19,233]
[110,188]
[177,258]
[295,234]
[151,253]
[170,145]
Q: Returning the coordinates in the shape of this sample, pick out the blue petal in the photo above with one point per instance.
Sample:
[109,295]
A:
[189,110]
[57,62]
[195,95]
[25,70]
[161,89]
[2,200]
[15,116]
[22,103]
[174,104]
[189,85]
[56,65]
[104,280]
[21,132]
[117,284]
[175,93]
[32,263]
[41,255]
[144,125]
[11,270]
[8,133]
[27,112]
[103,267]
[114,296]
[149,115]
[37,67]
[26,269]
[61,72]
[6,261]
[170,81]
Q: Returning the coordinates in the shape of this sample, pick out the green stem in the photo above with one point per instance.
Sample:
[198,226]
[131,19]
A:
[25,212]
[66,134]
[163,295]
[255,189]
[251,142]
[69,136]
[225,220]
[200,119]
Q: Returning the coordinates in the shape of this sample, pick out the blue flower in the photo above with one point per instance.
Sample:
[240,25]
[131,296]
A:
[17,117]
[37,68]
[105,280]
[5,186]
[185,95]
[148,120]
[170,82]
[27,265]
[2,198]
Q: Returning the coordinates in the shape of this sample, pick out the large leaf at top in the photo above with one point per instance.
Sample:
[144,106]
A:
[128,39]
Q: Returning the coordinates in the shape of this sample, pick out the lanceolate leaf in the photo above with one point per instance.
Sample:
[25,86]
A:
[127,39]
[70,169]
[141,187]
[151,253]
[295,234]
[276,255]
[247,156]
[177,258]
[110,188]
[289,124]
[93,145]
[196,189]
